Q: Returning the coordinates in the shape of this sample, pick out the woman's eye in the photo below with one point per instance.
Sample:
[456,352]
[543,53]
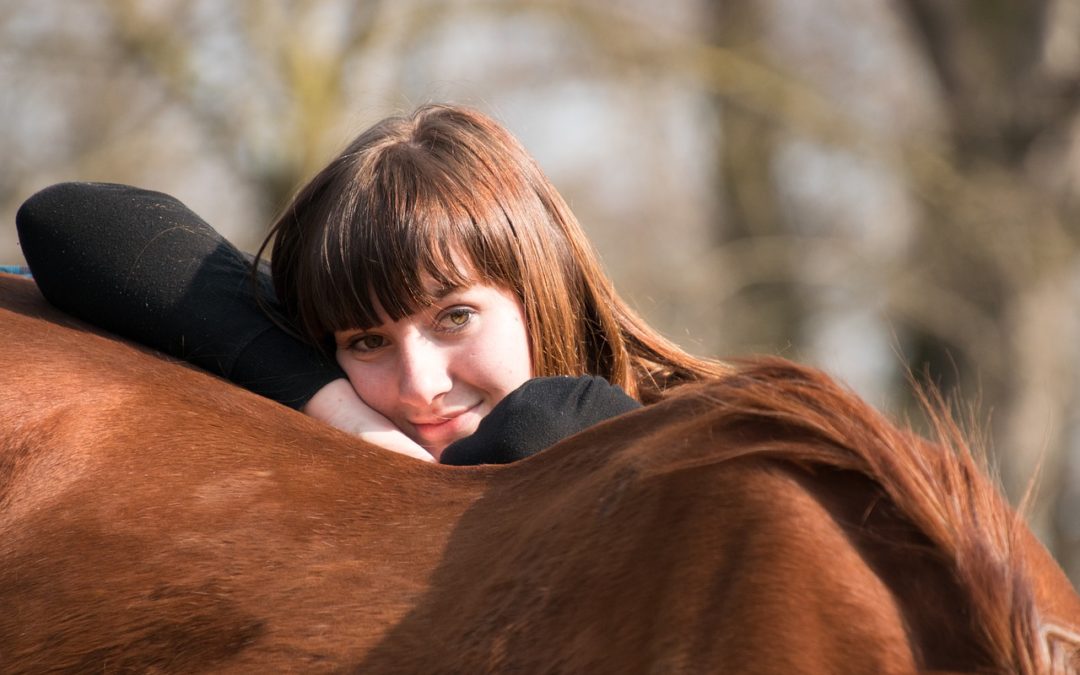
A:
[367,343]
[456,317]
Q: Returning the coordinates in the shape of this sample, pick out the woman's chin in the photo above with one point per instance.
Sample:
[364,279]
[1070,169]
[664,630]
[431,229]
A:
[435,448]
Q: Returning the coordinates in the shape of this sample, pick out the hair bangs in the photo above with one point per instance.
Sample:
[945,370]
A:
[397,246]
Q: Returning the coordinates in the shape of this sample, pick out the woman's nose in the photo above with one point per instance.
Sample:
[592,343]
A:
[424,375]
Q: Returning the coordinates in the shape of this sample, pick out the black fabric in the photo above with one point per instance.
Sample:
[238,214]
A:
[537,415]
[142,265]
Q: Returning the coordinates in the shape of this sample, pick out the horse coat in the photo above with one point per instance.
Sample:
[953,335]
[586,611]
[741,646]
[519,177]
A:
[155,518]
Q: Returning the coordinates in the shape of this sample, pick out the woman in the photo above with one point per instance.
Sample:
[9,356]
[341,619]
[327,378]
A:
[431,259]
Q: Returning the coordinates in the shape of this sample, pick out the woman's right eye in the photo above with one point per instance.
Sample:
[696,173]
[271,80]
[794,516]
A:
[367,343]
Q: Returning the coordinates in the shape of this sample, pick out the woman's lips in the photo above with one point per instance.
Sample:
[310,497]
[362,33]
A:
[446,429]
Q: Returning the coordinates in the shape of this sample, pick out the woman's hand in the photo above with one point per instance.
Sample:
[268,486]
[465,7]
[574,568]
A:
[338,405]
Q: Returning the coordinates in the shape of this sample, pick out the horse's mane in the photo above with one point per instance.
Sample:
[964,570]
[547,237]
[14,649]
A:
[800,416]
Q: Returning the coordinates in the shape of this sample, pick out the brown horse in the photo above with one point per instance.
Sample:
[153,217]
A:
[153,518]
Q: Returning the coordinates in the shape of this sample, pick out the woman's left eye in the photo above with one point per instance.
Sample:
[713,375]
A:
[456,318]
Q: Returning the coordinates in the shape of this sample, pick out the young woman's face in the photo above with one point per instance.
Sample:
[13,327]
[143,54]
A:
[436,373]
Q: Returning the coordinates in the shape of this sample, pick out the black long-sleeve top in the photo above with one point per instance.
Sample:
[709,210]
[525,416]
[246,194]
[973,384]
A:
[142,265]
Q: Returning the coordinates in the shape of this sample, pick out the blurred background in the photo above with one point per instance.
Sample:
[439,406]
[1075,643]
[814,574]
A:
[874,188]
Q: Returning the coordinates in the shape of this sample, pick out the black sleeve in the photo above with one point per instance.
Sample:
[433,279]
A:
[537,415]
[142,265]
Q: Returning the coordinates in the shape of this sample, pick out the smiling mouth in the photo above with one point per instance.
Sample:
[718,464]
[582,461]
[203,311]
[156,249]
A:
[437,426]
[422,427]
[436,420]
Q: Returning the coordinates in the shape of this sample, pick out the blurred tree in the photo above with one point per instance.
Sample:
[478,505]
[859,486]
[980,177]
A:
[981,296]
[1000,228]
[768,314]
[265,82]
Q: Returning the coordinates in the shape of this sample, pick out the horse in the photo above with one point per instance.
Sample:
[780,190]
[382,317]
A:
[154,518]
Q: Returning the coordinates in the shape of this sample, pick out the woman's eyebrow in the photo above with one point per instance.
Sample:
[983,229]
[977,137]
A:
[440,292]
[343,337]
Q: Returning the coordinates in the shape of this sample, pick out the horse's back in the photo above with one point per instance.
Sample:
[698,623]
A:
[153,517]
[642,567]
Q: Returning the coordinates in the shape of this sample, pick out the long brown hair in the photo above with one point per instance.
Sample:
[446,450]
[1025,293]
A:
[448,195]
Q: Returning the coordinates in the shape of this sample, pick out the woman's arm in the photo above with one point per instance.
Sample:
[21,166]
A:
[142,265]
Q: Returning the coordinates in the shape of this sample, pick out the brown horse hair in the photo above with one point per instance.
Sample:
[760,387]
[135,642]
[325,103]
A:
[939,486]
[91,486]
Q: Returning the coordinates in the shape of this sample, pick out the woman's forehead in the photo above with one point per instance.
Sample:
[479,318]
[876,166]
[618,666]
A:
[434,289]
[437,289]
[450,271]
[372,288]
[438,292]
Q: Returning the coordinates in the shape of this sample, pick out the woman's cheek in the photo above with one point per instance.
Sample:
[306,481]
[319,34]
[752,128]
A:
[366,381]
